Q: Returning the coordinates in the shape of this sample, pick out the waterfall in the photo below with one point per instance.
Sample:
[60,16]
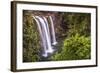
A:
[54,42]
[44,31]
[41,35]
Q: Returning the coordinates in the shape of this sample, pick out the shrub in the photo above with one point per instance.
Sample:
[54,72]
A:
[74,48]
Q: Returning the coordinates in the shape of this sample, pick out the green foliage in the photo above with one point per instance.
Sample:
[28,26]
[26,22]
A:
[74,48]
[31,40]
[77,23]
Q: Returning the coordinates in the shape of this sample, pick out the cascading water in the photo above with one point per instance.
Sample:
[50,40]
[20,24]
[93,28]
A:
[54,42]
[43,27]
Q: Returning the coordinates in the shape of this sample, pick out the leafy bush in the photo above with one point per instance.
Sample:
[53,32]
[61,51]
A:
[31,41]
[74,48]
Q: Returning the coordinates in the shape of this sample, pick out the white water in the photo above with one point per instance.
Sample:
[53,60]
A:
[42,35]
[44,31]
[54,42]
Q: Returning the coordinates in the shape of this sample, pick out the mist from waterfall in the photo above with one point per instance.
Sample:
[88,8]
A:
[47,35]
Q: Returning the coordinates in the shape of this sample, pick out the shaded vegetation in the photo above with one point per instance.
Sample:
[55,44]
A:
[31,40]
[77,23]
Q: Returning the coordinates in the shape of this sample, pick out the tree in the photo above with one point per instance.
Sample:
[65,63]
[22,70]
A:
[74,48]
[31,41]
